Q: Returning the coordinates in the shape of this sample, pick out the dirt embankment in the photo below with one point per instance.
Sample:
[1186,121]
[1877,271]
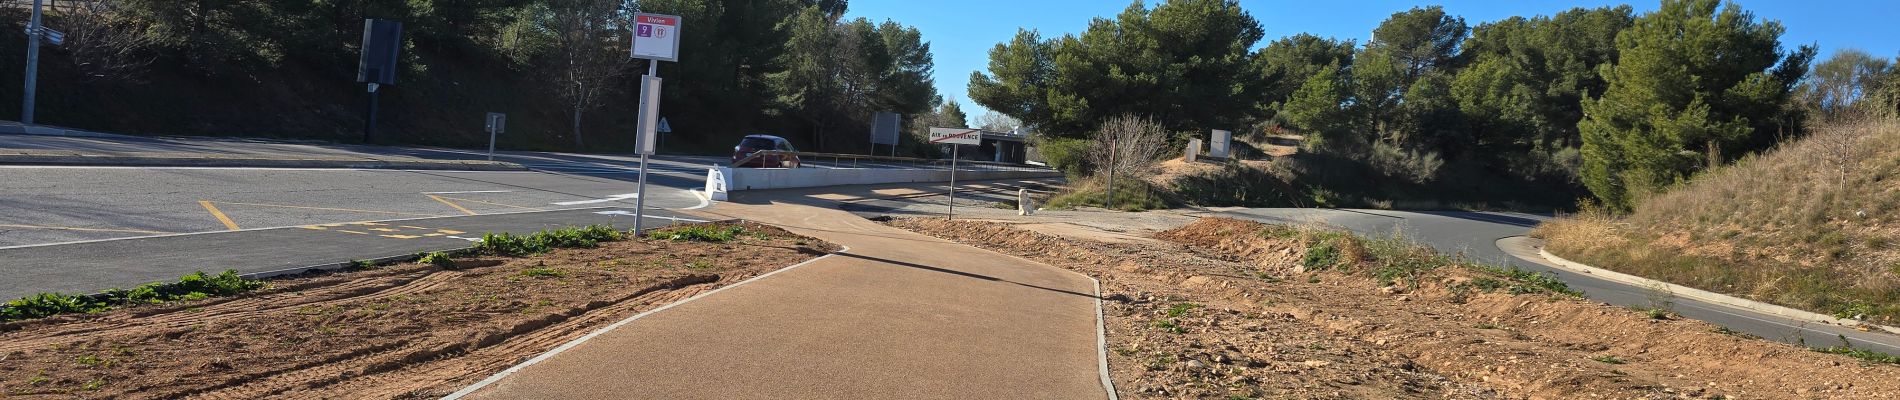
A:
[1225,311]
[403,331]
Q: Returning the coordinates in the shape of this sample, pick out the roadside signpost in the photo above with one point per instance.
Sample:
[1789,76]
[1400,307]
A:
[33,29]
[955,137]
[382,44]
[656,38]
[497,122]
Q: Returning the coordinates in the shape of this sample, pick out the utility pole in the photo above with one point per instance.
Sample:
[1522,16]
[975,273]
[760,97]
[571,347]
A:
[33,28]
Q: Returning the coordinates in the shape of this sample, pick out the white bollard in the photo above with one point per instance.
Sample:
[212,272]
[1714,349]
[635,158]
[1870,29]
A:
[1024,204]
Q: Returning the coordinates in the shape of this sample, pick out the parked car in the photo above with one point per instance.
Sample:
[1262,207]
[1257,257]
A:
[755,143]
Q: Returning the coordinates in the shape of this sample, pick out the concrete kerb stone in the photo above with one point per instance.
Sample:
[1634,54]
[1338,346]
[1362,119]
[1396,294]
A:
[137,160]
[1707,296]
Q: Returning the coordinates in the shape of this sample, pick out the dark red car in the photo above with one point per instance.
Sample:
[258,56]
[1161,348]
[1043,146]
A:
[755,143]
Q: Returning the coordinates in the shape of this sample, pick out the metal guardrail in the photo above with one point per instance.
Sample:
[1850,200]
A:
[837,160]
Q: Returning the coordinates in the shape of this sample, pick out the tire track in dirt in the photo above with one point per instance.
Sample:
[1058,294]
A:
[169,318]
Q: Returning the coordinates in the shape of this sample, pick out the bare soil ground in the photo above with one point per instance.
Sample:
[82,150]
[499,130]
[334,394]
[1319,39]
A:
[402,331]
[1222,311]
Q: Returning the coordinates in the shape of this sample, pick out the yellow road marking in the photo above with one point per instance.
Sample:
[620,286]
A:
[492,203]
[382,229]
[71,228]
[220,214]
[413,227]
[450,232]
[330,209]
[350,231]
[451,204]
[312,227]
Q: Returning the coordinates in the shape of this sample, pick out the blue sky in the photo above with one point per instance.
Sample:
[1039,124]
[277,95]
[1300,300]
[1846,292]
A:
[962,32]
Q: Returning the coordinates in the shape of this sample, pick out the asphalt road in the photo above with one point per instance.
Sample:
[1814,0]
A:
[121,263]
[1475,235]
[40,205]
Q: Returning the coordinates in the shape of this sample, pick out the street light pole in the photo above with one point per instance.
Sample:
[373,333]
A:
[32,64]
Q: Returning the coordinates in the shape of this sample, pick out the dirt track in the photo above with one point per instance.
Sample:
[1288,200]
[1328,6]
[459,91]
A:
[405,331]
[1219,312]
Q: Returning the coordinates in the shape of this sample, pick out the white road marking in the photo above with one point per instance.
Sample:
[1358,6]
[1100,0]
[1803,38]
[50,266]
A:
[617,197]
[470,191]
[704,201]
[630,213]
[464,238]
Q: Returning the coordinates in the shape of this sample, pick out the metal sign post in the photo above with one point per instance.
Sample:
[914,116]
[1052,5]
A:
[32,65]
[955,137]
[656,37]
[497,122]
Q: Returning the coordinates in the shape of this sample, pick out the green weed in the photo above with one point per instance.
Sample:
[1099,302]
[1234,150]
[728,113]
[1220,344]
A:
[1181,309]
[437,259]
[1167,325]
[197,286]
[699,233]
[511,245]
[1608,359]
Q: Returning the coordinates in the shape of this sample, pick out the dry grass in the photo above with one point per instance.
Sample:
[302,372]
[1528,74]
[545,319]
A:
[1812,225]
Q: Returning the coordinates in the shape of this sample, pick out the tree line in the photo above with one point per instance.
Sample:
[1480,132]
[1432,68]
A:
[1605,99]
[796,68]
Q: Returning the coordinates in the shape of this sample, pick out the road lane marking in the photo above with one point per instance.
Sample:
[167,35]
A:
[617,197]
[330,209]
[73,242]
[493,203]
[451,204]
[630,213]
[71,228]
[704,201]
[470,191]
[220,214]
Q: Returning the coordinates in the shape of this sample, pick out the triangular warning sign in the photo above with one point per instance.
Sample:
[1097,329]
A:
[663,127]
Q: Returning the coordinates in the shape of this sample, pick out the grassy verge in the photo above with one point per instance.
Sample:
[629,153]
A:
[200,286]
[1398,261]
[1811,225]
[1130,195]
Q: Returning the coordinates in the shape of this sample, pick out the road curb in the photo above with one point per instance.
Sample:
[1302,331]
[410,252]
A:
[169,160]
[1707,296]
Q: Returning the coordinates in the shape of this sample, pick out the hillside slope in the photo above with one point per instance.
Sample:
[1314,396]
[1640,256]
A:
[1812,224]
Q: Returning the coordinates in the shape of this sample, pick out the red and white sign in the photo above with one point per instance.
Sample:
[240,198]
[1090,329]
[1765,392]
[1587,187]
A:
[656,37]
[956,136]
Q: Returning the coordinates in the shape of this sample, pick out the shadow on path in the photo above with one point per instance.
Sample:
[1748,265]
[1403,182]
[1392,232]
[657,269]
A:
[958,273]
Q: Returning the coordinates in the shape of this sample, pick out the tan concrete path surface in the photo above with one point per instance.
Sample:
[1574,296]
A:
[898,315]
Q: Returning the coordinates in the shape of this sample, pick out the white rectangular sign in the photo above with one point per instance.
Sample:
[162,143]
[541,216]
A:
[497,122]
[956,136]
[656,37]
[648,126]
[1220,144]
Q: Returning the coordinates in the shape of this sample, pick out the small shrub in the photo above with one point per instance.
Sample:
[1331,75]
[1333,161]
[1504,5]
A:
[1167,325]
[1320,256]
[1608,359]
[437,259]
[1181,309]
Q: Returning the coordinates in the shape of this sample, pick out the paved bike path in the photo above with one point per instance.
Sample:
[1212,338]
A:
[898,315]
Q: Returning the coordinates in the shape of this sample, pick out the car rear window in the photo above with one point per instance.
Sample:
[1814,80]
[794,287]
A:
[756,143]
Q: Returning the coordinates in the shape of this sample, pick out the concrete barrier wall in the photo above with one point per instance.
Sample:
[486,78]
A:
[737,179]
